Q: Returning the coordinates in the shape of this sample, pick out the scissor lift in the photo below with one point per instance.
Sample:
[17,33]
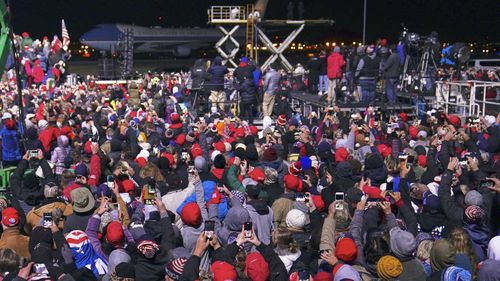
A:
[239,15]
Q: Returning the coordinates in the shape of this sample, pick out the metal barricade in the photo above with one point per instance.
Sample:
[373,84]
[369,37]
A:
[468,98]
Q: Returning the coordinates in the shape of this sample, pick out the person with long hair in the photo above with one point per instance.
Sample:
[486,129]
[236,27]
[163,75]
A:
[466,257]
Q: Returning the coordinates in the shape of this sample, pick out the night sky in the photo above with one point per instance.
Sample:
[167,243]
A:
[459,20]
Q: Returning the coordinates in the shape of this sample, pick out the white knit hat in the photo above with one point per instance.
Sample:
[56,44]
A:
[296,219]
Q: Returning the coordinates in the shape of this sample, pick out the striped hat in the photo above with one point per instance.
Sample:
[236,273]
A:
[175,267]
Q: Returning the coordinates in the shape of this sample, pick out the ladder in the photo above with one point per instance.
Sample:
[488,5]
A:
[250,32]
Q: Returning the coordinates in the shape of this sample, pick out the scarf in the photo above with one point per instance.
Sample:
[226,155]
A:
[84,255]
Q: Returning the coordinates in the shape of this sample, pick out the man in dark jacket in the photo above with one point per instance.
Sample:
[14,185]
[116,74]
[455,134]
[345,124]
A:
[244,69]
[313,77]
[248,96]
[368,71]
[391,74]
[216,83]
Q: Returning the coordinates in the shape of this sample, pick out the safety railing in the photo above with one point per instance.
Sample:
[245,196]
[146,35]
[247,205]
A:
[5,178]
[227,14]
[468,98]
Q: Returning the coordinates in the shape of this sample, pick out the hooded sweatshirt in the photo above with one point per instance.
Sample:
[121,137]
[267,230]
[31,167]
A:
[262,217]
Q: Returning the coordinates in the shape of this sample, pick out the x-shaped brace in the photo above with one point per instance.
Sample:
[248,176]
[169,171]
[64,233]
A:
[278,52]
[228,35]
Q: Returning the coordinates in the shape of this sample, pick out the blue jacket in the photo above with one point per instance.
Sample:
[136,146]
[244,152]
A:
[217,72]
[10,145]
[208,189]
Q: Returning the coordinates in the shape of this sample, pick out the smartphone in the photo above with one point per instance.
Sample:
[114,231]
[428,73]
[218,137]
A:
[300,198]
[220,187]
[47,220]
[209,229]
[247,228]
[110,181]
[339,199]
[32,154]
[389,186]
[39,268]
[486,183]
[410,159]
[190,168]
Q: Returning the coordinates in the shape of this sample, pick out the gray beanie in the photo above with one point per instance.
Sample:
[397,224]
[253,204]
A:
[336,49]
[200,164]
[473,198]
[403,243]
[116,257]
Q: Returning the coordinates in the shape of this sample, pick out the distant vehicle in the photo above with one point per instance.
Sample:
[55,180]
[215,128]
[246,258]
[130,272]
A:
[485,63]
[178,41]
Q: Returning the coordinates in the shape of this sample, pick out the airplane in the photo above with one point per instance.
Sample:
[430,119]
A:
[178,41]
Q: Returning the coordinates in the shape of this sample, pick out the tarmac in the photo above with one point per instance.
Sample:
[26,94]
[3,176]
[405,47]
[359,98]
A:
[90,66]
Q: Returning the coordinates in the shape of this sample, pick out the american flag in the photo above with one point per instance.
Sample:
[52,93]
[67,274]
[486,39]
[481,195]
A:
[65,34]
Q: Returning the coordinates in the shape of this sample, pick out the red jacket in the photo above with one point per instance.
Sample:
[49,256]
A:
[47,136]
[38,72]
[335,62]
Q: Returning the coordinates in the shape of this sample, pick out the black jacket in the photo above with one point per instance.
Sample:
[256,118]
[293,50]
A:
[245,71]
[217,72]
[391,67]
[154,269]
[248,91]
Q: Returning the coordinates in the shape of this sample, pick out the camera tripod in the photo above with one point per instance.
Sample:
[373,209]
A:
[413,74]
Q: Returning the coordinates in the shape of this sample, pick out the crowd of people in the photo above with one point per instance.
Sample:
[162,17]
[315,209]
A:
[41,61]
[136,183]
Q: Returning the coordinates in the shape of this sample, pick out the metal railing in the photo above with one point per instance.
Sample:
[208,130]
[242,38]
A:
[468,98]
[227,14]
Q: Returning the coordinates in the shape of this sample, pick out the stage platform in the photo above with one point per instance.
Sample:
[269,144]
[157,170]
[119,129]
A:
[311,102]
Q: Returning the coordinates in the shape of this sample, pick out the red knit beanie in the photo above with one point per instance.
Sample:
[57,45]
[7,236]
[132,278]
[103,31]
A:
[114,233]
[346,250]
[223,271]
[191,214]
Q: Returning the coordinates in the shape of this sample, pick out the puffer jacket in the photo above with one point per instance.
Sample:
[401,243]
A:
[35,215]
[248,91]
[217,72]
[10,145]
[60,153]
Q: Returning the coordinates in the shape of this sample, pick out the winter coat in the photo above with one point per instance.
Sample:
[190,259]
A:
[154,269]
[47,136]
[244,70]
[248,91]
[217,72]
[335,62]
[480,237]
[26,186]
[271,81]
[236,217]
[38,73]
[60,153]
[262,217]
[391,66]
[11,150]
[281,207]
[12,239]
[35,215]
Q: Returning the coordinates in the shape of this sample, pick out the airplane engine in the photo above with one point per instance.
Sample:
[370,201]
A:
[182,52]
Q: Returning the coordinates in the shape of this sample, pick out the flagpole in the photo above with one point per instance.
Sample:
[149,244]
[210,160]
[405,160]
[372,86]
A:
[16,56]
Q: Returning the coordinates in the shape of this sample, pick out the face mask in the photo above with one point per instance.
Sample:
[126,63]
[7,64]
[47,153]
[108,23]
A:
[59,124]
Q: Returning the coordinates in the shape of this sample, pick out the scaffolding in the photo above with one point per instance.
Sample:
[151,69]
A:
[126,50]
[250,16]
